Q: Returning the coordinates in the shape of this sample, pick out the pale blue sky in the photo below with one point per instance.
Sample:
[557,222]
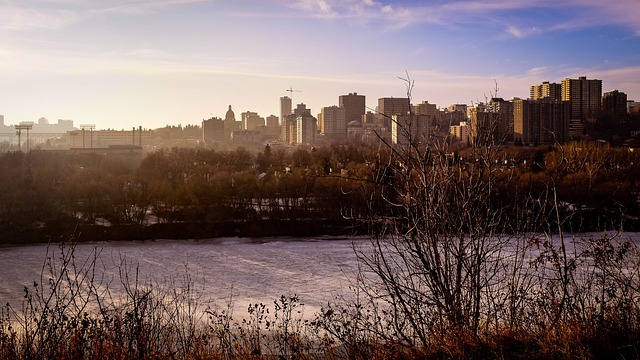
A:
[125,63]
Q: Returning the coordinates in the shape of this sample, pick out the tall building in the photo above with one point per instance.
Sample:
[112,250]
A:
[301,109]
[251,120]
[272,121]
[332,122]
[457,108]
[411,128]
[354,106]
[285,112]
[288,129]
[546,90]
[614,102]
[614,109]
[394,106]
[388,107]
[306,129]
[285,107]
[230,124]
[504,117]
[542,121]
[461,132]
[585,99]
[1,120]
[213,130]
[424,108]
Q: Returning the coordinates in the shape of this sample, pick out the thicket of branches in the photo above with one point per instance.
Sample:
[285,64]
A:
[476,259]
[475,254]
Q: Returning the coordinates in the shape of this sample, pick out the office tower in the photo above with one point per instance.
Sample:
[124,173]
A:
[354,106]
[1,120]
[542,121]
[333,121]
[585,99]
[546,90]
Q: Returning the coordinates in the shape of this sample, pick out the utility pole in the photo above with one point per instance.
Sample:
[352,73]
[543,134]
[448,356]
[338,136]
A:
[25,125]
[89,127]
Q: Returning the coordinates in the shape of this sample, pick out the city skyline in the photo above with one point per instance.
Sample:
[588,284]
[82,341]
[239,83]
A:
[119,64]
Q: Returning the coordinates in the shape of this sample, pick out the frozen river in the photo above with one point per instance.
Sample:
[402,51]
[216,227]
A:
[248,270]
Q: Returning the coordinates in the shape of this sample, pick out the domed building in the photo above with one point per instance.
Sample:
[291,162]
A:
[230,123]
[230,116]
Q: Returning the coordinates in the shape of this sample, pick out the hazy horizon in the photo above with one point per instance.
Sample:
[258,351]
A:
[151,63]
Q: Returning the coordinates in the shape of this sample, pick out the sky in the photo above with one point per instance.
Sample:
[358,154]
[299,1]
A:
[120,64]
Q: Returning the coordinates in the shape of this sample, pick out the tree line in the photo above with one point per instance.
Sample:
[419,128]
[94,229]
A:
[593,182]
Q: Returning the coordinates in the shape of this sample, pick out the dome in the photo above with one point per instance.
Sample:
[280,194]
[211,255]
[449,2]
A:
[230,116]
[354,123]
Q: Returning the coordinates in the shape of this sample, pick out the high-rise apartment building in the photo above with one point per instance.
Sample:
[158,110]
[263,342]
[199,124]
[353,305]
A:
[633,107]
[301,109]
[614,102]
[288,129]
[585,99]
[614,108]
[542,121]
[354,106]
[272,121]
[394,106]
[285,111]
[457,108]
[546,90]
[332,121]
[388,107]
[285,107]
[424,108]
[501,113]
[461,132]
[411,128]
[245,116]
[213,130]
[306,129]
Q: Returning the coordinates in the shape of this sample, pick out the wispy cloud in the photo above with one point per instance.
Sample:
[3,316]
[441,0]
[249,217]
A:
[24,19]
[402,14]
[139,7]
[521,33]
[57,14]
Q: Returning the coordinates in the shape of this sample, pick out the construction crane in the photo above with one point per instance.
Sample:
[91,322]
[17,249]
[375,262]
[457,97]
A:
[291,91]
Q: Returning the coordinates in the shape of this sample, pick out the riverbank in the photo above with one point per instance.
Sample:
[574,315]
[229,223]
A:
[64,230]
